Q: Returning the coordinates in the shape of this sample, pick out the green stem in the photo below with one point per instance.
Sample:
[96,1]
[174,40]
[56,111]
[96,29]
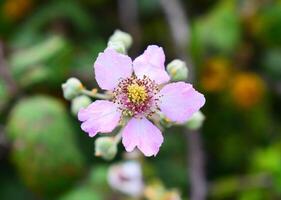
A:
[95,95]
[117,138]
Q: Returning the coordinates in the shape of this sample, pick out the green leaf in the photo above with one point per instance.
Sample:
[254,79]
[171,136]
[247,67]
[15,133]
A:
[44,149]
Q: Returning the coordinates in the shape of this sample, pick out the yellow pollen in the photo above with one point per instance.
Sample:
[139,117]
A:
[137,93]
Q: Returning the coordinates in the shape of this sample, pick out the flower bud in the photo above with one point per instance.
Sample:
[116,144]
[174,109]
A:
[123,37]
[71,88]
[117,46]
[177,70]
[196,121]
[79,102]
[106,147]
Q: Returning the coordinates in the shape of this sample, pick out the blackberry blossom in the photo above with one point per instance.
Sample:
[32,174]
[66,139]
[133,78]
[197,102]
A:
[140,89]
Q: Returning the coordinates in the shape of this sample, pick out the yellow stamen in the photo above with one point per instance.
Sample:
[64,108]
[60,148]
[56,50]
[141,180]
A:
[137,93]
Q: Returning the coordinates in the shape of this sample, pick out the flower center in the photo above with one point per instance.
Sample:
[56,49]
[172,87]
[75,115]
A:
[136,96]
[137,93]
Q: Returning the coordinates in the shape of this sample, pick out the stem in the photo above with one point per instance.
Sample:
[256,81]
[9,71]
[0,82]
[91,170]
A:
[96,95]
[5,72]
[4,145]
[129,20]
[179,27]
[117,138]
[196,165]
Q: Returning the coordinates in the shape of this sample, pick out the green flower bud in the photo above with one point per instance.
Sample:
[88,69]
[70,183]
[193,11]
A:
[123,37]
[71,88]
[177,70]
[79,102]
[196,121]
[106,147]
[117,46]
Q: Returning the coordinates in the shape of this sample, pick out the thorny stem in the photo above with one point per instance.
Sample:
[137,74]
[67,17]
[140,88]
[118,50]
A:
[179,26]
[96,95]
[129,20]
[196,161]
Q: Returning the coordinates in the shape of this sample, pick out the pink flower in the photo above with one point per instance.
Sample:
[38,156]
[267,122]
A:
[127,178]
[138,93]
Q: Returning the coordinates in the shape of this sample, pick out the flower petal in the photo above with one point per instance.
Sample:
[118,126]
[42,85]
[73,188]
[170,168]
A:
[151,64]
[143,134]
[99,116]
[179,101]
[110,67]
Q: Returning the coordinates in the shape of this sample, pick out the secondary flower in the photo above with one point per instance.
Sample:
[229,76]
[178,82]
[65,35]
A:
[127,178]
[139,91]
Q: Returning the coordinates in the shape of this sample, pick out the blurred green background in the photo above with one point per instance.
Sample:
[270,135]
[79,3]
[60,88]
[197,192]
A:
[235,46]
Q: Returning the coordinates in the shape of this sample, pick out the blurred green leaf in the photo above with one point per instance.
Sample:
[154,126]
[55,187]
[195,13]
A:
[219,30]
[271,62]
[69,10]
[47,61]
[95,187]
[82,193]
[268,161]
[4,95]
[44,150]
[38,53]
[269,27]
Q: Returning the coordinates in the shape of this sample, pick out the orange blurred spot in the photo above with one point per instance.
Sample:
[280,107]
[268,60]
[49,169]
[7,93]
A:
[16,9]
[247,89]
[215,75]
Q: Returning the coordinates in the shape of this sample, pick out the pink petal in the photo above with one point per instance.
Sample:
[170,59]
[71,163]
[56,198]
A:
[99,116]
[179,101]
[110,67]
[143,134]
[151,64]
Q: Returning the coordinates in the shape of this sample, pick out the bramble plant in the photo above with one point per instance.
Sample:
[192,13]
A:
[141,98]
